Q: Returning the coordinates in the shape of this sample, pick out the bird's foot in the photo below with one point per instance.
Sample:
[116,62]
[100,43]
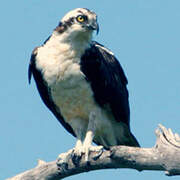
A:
[79,151]
[88,149]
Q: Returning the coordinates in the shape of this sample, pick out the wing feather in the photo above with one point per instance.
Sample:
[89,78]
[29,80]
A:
[44,91]
[108,81]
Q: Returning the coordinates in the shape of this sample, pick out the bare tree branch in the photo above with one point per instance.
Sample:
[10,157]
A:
[164,156]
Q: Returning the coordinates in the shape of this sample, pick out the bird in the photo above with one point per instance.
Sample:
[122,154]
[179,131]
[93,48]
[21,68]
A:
[83,84]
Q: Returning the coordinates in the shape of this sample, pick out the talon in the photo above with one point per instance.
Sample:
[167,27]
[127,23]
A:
[75,159]
[98,149]
[97,156]
[77,154]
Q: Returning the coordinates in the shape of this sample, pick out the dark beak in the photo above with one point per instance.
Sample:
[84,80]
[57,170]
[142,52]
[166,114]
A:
[94,26]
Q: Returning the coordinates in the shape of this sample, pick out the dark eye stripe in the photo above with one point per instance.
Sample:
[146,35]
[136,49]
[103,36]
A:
[64,25]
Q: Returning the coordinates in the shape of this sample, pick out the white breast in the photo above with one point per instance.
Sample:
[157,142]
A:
[69,89]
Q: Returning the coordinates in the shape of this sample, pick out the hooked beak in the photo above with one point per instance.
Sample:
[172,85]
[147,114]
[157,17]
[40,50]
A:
[93,26]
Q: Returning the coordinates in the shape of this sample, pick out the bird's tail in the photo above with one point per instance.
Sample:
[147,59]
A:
[120,135]
[133,141]
[126,137]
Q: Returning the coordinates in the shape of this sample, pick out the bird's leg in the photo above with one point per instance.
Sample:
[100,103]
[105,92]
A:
[78,147]
[80,129]
[87,144]
[85,138]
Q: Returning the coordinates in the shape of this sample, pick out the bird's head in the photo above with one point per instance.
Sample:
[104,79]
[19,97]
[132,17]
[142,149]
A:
[78,22]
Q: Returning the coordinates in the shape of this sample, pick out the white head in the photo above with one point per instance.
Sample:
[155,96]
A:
[78,23]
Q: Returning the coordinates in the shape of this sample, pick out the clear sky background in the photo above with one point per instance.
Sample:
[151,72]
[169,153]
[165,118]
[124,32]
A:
[145,37]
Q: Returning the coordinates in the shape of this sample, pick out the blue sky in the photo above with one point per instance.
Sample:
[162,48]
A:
[144,36]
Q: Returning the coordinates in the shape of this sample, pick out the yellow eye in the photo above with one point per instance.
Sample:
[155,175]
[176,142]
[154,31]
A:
[80,18]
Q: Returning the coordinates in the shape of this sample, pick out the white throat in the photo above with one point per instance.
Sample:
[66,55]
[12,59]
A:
[76,41]
[60,56]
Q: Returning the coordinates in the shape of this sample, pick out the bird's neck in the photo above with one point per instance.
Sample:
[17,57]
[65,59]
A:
[77,42]
[68,48]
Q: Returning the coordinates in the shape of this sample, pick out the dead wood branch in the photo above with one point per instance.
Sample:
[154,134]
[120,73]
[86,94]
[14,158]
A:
[164,156]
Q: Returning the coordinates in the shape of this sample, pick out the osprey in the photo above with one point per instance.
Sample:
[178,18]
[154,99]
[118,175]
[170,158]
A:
[83,84]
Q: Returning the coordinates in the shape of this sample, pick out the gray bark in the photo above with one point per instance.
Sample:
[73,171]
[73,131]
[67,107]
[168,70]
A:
[164,156]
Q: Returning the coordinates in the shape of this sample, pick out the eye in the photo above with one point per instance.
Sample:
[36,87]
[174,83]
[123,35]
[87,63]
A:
[81,18]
